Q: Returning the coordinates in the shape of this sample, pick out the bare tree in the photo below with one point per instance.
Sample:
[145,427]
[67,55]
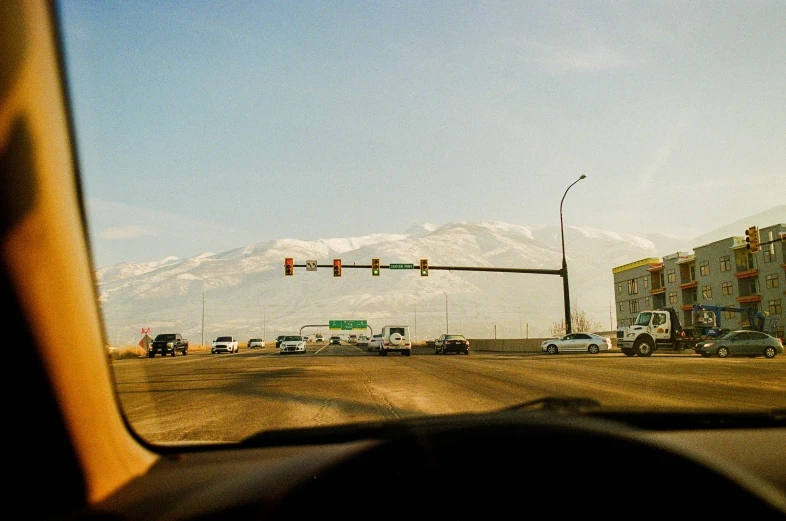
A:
[579,321]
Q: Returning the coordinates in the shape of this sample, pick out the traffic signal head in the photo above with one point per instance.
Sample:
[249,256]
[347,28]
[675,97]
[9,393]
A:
[289,266]
[424,267]
[375,267]
[336,267]
[752,239]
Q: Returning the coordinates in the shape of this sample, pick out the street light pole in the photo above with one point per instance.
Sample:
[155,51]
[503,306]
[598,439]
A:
[565,286]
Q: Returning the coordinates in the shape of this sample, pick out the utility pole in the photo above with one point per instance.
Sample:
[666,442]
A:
[447,323]
[415,306]
[611,319]
[264,325]
[203,319]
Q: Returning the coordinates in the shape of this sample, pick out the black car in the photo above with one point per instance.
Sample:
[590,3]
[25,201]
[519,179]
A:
[279,339]
[451,344]
[335,340]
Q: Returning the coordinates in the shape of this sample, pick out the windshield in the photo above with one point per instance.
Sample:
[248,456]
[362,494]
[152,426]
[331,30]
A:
[514,172]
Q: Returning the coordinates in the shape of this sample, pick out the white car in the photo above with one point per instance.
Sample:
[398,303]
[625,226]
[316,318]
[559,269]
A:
[224,344]
[362,341]
[256,342]
[375,343]
[576,343]
[292,344]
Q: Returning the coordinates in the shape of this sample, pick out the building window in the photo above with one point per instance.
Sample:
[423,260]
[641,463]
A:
[671,275]
[772,280]
[775,307]
[768,253]
[619,287]
[727,288]
[706,292]
[704,268]
[634,306]
[647,301]
[621,307]
[729,314]
[672,297]
[633,287]
[725,263]
[778,331]
[646,282]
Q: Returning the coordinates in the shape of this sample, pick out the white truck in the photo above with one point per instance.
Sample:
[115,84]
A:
[660,329]
[224,344]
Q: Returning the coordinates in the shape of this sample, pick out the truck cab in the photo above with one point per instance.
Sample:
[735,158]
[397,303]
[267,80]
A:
[652,329]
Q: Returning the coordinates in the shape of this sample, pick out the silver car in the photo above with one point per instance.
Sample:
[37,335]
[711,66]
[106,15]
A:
[741,343]
[576,343]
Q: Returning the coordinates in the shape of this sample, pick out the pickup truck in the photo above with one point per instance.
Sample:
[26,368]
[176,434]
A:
[168,344]
[224,344]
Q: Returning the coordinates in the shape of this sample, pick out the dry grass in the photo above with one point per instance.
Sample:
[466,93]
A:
[120,353]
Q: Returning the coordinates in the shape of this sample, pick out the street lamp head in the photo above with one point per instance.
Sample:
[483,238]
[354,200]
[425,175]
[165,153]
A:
[582,177]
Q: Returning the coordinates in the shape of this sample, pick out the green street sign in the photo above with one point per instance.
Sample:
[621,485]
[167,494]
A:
[347,325]
[402,266]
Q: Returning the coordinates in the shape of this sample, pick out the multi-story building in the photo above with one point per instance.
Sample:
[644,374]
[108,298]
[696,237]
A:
[722,273]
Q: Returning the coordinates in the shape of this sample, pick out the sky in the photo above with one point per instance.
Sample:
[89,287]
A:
[206,126]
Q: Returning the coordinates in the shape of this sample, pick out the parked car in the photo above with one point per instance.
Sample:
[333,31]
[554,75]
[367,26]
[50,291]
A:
[576,343]
[741,343]
[256,342]
[375,343]
[451,344]
[335,340]
[362,341]
[292,344]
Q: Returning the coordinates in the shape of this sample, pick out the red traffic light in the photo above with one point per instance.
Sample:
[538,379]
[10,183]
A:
[289,266]
[336,267]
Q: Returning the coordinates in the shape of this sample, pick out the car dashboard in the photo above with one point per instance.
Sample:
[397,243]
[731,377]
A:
[606,463]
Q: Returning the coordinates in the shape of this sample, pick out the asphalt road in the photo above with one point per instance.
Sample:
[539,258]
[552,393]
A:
[230,396]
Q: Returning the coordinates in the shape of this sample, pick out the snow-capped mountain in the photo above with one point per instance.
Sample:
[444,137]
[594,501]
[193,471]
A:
[244,292]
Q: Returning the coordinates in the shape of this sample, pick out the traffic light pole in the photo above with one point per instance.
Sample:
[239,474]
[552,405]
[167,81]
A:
[447,268]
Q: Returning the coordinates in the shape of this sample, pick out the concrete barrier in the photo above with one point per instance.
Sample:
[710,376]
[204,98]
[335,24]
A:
[506,345]
[516,345]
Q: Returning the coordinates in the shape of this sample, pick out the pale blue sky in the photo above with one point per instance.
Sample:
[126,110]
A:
[203,126]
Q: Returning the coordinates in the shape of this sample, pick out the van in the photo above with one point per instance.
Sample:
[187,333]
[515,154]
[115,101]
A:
[396,339]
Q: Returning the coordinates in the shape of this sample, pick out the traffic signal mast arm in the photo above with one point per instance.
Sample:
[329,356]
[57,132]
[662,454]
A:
[446,268]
